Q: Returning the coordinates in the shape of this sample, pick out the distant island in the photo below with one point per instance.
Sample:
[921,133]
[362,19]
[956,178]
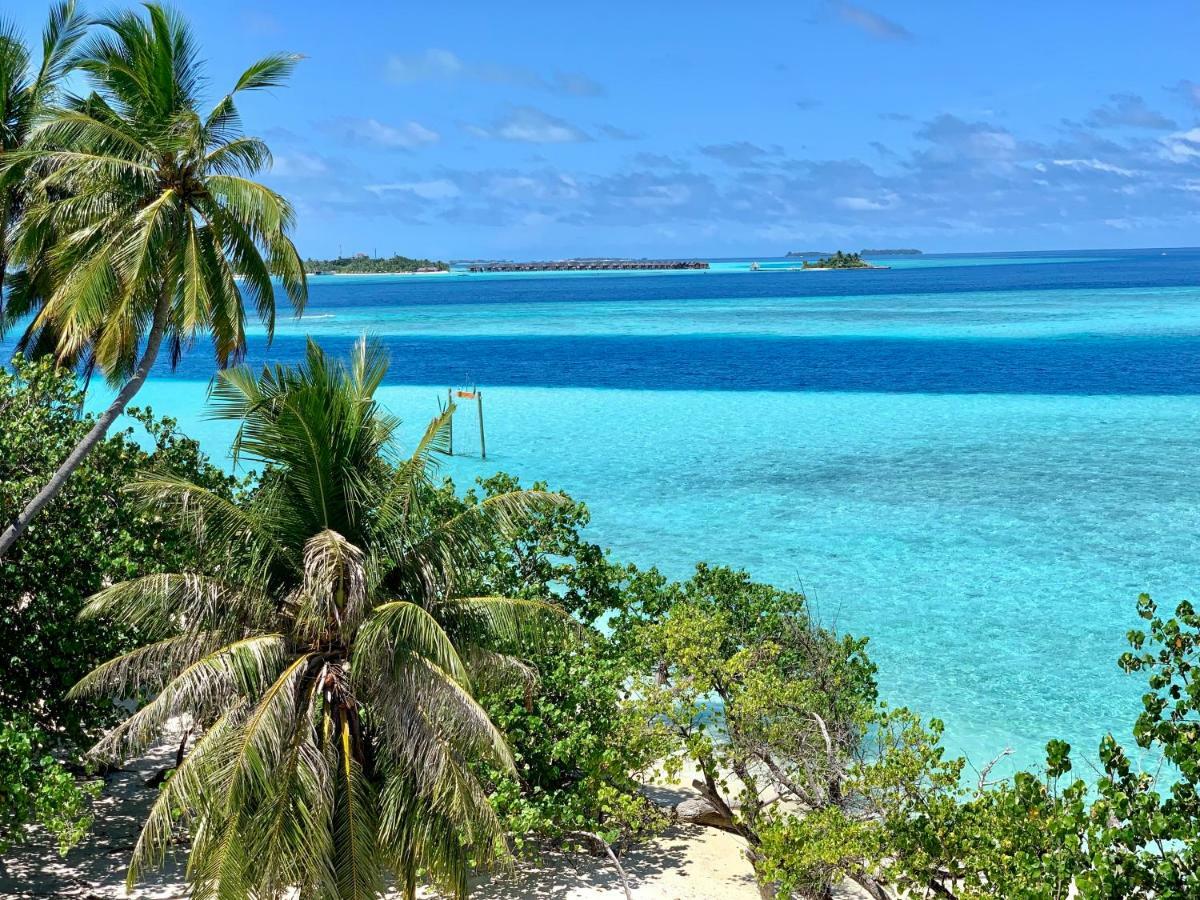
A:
[361,264]
[904,251]
[796,254]
[839,260]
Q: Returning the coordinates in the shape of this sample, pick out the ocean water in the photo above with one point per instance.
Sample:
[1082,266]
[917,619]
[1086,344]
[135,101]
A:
[977,461]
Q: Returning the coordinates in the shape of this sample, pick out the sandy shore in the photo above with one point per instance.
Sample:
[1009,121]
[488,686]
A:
[685,863]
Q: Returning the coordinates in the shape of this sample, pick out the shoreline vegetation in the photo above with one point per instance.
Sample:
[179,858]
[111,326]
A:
[839,260]
[902,251]
[361,264]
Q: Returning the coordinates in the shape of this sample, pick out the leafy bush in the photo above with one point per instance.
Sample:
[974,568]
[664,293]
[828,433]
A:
[907,822]
[576,741]
[36,789]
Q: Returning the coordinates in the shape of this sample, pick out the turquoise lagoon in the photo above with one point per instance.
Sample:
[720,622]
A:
[978,462]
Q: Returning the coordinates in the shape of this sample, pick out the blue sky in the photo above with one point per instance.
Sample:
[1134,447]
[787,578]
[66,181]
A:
[533,129]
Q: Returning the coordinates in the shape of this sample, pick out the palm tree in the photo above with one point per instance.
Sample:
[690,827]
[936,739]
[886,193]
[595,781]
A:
[25,93]
[326,650]
[145,224]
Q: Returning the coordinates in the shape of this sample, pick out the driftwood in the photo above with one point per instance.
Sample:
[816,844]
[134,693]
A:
[708,809]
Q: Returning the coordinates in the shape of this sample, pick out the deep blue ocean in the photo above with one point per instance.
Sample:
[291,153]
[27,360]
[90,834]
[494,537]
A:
[977,461]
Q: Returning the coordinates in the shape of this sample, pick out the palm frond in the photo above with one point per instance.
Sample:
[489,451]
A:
[186,791]
[395,634]
[333,593]
[217,522]
[270,71]
[163,604]
[207,687]
[503,622]
[144,669]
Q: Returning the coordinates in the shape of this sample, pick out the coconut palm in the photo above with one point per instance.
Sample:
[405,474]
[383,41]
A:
[25,93]
[326,650]
[143,223]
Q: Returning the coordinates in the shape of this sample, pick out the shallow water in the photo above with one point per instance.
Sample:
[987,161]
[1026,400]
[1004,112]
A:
[977,461]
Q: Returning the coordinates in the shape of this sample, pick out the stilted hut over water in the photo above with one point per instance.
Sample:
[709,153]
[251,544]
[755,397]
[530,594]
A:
[591,265]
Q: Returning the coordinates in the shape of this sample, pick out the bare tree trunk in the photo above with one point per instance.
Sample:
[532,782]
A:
[607,847]
[153,341]
[5,216]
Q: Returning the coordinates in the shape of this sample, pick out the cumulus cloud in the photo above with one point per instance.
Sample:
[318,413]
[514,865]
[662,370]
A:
[432,189]
[525,124]
[432,64]
[872,23]
[1128,111]
[407,136]
[436,64]
[1182,146]
[658,161]
[953,177]
[953,137]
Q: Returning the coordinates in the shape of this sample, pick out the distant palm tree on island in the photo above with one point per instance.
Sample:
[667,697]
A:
[839,260]
[142,219]
[362,264]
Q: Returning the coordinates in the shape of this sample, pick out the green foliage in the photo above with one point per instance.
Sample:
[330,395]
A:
[576,741]
[27,92]
[911,823]
[1148,830]
[768,705]
[90,536]
[839,260]
[1019,837]
[36,789]
[577,746]
[368,265]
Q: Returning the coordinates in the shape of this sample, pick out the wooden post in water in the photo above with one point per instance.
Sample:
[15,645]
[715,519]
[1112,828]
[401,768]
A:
[482,439]
[450,430]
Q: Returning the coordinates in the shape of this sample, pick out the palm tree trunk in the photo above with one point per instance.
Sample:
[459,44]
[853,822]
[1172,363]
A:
[4,217]
[153,341]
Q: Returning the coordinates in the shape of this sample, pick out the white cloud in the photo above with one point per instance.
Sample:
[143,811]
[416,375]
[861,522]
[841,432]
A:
[433,63]
[872,23]
[1182,146]
[864,204]
[531,126]
[298,165]
[433,189]
[1094,165]
[444,65]
[407,136]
